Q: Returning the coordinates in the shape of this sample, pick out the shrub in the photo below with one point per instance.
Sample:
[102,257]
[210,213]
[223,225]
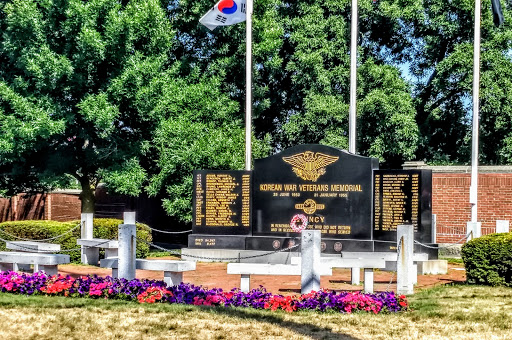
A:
[488,260]
[37,230]
[107,228]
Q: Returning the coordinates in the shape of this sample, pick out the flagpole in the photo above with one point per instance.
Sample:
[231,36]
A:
[248,84]
[473,190]
[353,81]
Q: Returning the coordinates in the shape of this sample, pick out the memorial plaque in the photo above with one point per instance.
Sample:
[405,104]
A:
[331,187]
[402,197]
[222,203]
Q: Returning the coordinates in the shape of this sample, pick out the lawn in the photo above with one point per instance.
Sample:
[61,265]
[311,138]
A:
[446,312]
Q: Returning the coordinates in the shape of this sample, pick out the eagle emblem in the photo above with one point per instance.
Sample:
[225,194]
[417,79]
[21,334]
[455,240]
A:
[308,165]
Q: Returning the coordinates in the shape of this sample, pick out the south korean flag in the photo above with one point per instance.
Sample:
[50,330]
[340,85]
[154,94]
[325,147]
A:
[224,13]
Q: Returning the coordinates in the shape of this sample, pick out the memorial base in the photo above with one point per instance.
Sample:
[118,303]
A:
[273,243]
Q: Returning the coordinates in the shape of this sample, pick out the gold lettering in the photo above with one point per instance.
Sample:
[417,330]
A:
[316,219]
[271,187]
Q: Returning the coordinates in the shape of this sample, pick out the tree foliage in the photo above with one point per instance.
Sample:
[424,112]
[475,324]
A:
[84,88]
[301,74]
[138,94]
[441,57]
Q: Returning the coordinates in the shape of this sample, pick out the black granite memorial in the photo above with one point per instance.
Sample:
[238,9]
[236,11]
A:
[355,205]
[330,187]
[402,197]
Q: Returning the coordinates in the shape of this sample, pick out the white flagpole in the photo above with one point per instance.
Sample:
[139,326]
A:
[353,81]
[473,190]
[248,84]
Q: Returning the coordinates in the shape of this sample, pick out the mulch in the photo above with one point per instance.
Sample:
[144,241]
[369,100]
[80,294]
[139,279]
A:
[213,275]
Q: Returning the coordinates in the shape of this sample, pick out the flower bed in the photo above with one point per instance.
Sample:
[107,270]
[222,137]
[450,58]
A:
[152,291]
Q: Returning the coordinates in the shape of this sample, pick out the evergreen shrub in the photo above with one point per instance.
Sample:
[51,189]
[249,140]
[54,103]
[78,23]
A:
[38,230]
[488,260]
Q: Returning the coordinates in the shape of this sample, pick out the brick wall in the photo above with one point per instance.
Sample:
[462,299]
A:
[450,198]
[23,207]
[64,207]
[450,202]
[48,206]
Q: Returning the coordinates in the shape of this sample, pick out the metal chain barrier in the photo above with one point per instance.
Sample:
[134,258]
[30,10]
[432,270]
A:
[216,258]
[446,246]
[41,240]
[165,231]
[398,249]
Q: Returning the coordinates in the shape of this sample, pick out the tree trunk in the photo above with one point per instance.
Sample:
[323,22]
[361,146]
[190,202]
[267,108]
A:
[87,196]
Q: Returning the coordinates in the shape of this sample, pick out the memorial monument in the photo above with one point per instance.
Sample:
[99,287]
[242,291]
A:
[356,206]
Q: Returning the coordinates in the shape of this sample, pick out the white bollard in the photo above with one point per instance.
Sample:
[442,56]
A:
[502,226]
[404,270]
[88,255]
[129,217]
[368,280]
[310,262]
[127,244]
[474,229]
[355,276]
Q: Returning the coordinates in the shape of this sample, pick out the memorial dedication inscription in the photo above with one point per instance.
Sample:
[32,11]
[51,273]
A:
[331,187]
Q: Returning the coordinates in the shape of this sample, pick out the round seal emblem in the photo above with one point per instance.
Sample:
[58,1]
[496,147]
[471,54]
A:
[298,223]
[323,246]
[337,246]
[276,244]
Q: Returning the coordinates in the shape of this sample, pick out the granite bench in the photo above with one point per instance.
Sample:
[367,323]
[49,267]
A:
[32,246]
[368,264]
[245,270]
[93,246]
[45,262]
[422,264]
[173,269]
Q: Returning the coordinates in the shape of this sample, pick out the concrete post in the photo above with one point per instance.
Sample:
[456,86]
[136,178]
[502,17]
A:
[310,262]
[129,217]
[245,283]
[368,280]
[502,226]
[88,255]
[404,270]
[127,245]
[355,275]
[475,228]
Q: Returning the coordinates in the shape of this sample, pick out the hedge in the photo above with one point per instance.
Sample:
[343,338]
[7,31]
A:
[37,230]
[488,260]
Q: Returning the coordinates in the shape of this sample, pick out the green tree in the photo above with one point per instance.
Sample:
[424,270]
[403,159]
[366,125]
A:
[69,74]
[301,73]
[441,57]
[94,90]
[201,131]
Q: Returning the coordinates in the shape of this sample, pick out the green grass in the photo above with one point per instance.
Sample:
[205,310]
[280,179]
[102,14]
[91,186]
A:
[445,312]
